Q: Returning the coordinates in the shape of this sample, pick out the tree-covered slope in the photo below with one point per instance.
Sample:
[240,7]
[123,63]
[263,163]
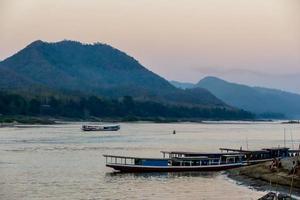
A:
[92,69]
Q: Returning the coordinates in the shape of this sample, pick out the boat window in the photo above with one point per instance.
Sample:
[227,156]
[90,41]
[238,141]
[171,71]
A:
[137,161]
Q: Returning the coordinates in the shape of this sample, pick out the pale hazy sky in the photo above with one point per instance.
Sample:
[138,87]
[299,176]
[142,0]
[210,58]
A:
[178,39]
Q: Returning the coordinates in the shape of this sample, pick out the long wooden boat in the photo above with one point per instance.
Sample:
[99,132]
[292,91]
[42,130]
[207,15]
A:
[100,127]
[263,155]
[174,164]
[178,161]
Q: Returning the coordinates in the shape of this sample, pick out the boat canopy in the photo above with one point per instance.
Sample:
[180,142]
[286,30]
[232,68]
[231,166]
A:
[244,151]
[193,158]
[171,154]
[132,157]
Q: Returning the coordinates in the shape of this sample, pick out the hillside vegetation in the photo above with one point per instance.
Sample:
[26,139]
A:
[72,79]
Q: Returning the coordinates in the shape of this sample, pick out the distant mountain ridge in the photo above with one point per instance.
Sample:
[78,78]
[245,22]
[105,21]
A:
[92,69]
[258,100]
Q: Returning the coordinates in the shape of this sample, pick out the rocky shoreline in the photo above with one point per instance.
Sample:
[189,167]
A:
[261,177]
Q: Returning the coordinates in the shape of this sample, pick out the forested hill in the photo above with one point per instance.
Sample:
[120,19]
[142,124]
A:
[72,79]
[74,66]
[92,69]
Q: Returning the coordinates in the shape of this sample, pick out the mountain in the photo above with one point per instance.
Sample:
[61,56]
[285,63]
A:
[254,99]
[182,85]
[92,69]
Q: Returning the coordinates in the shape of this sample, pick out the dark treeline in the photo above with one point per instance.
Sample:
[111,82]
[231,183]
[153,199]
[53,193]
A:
[86,107]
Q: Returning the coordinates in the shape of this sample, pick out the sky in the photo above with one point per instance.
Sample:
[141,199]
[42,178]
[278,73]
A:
[256,42]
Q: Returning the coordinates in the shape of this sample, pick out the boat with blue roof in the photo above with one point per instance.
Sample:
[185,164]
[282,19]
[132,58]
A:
[179,161]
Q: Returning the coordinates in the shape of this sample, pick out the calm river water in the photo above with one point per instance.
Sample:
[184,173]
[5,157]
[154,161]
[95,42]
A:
[62,162]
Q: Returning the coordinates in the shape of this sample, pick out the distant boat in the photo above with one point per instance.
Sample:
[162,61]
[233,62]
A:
[100,127]
[291,122]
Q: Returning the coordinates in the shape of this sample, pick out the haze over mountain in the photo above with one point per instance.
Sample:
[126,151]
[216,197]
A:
[92,69]
[182,85]
[258,100]
[287,81]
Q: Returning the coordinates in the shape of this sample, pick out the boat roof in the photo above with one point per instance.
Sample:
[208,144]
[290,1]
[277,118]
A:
[230,155]
[133,157]
[192,158]
[244,151]
[101,124]
[276,148]
[205,157]
[198,153]
[264,150]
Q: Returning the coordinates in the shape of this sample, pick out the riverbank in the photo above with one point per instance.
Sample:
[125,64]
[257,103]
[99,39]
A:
[10,120]
[44,120]
[263,175]
[14,120]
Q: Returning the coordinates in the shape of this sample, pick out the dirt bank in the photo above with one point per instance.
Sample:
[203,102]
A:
[281,175]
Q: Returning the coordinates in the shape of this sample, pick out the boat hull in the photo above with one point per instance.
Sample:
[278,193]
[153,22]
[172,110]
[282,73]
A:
[141,168]
[253,162]
[114,129]
[100,128]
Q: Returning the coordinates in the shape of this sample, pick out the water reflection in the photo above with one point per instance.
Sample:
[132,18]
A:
[163,174]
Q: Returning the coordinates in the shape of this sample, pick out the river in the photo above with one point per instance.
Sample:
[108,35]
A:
[62,162]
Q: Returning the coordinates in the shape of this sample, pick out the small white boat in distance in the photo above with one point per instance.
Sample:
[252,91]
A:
[100,127]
